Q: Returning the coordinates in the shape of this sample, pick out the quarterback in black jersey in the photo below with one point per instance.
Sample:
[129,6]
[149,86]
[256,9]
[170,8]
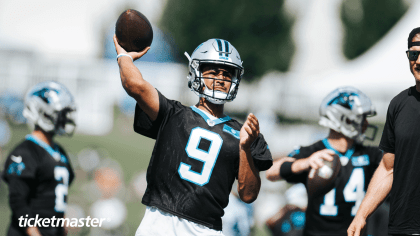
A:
[398,174]
[344,111]
[38,171]
[199,151]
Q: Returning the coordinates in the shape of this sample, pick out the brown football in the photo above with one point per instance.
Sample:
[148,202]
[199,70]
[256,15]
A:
[321,181]
[134,31]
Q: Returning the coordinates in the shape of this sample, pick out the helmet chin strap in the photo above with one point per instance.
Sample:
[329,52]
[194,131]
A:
[214,100]
[215,97]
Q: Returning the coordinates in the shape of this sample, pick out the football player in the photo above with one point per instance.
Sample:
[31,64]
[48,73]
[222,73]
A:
[344,112]
[38,171]
[199,151]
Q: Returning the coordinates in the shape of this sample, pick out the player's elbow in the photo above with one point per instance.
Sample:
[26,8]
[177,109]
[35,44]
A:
[249,198]
[249,193]
[272,176]
[134,88]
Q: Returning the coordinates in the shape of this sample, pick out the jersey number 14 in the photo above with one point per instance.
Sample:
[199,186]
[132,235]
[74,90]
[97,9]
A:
[208,157]
[354,191]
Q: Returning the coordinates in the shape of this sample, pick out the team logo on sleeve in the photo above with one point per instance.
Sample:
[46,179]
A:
[17,159]
[17,166]
[360,160]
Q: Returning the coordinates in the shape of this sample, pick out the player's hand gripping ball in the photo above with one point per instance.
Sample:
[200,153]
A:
[134,31]
[321,181]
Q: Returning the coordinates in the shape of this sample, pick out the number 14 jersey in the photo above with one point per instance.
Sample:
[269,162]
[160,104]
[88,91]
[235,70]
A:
[332,213]
[194,162]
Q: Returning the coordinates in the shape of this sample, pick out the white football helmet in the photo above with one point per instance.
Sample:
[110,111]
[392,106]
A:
[50,106]
[344,110]
[214,51]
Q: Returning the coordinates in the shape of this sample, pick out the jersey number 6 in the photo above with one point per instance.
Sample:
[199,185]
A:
[208,157]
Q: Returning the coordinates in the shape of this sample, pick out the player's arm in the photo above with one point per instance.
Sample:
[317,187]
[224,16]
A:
[249,181]
[314,161]
[19,190]
[378,190]
[273,174]
[132,81]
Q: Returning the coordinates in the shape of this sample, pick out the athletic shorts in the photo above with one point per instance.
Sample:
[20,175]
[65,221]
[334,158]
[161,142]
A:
[160,223]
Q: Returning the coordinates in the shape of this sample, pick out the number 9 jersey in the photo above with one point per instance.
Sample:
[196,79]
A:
[194,162]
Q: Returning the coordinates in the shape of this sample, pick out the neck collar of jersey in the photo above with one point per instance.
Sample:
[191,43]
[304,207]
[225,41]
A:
[54,152]
[343,158]
[209,121]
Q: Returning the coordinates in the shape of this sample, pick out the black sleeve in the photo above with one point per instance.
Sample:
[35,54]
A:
[376,156]
[19,195]
[387,143]
[20,174]
[142,123]
[261,154]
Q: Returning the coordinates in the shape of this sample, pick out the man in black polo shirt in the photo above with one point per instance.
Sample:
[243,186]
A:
[399,172]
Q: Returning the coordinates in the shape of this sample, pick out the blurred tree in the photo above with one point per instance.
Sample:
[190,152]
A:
[367,21]
[260,30]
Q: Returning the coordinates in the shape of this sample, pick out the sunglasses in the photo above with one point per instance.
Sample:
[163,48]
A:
[412,55]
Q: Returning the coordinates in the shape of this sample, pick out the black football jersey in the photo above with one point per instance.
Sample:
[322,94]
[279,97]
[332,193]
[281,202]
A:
[47,173]
[332,213]
[194,162]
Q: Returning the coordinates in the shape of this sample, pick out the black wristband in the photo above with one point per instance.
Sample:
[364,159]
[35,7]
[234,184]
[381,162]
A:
[286,169]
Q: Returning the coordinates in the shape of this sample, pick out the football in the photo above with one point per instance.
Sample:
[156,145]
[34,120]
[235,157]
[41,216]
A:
[321,181]
[134,31]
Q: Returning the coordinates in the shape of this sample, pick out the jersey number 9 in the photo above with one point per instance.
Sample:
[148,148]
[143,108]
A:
[208,157]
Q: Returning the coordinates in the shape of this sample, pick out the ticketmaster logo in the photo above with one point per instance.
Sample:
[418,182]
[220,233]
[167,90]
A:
[60,222]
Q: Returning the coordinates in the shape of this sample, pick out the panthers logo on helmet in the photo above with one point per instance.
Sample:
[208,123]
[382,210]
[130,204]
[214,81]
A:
[50,106]
[344,110]
[45,95]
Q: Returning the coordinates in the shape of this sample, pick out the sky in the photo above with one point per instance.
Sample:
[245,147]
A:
[61,28]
